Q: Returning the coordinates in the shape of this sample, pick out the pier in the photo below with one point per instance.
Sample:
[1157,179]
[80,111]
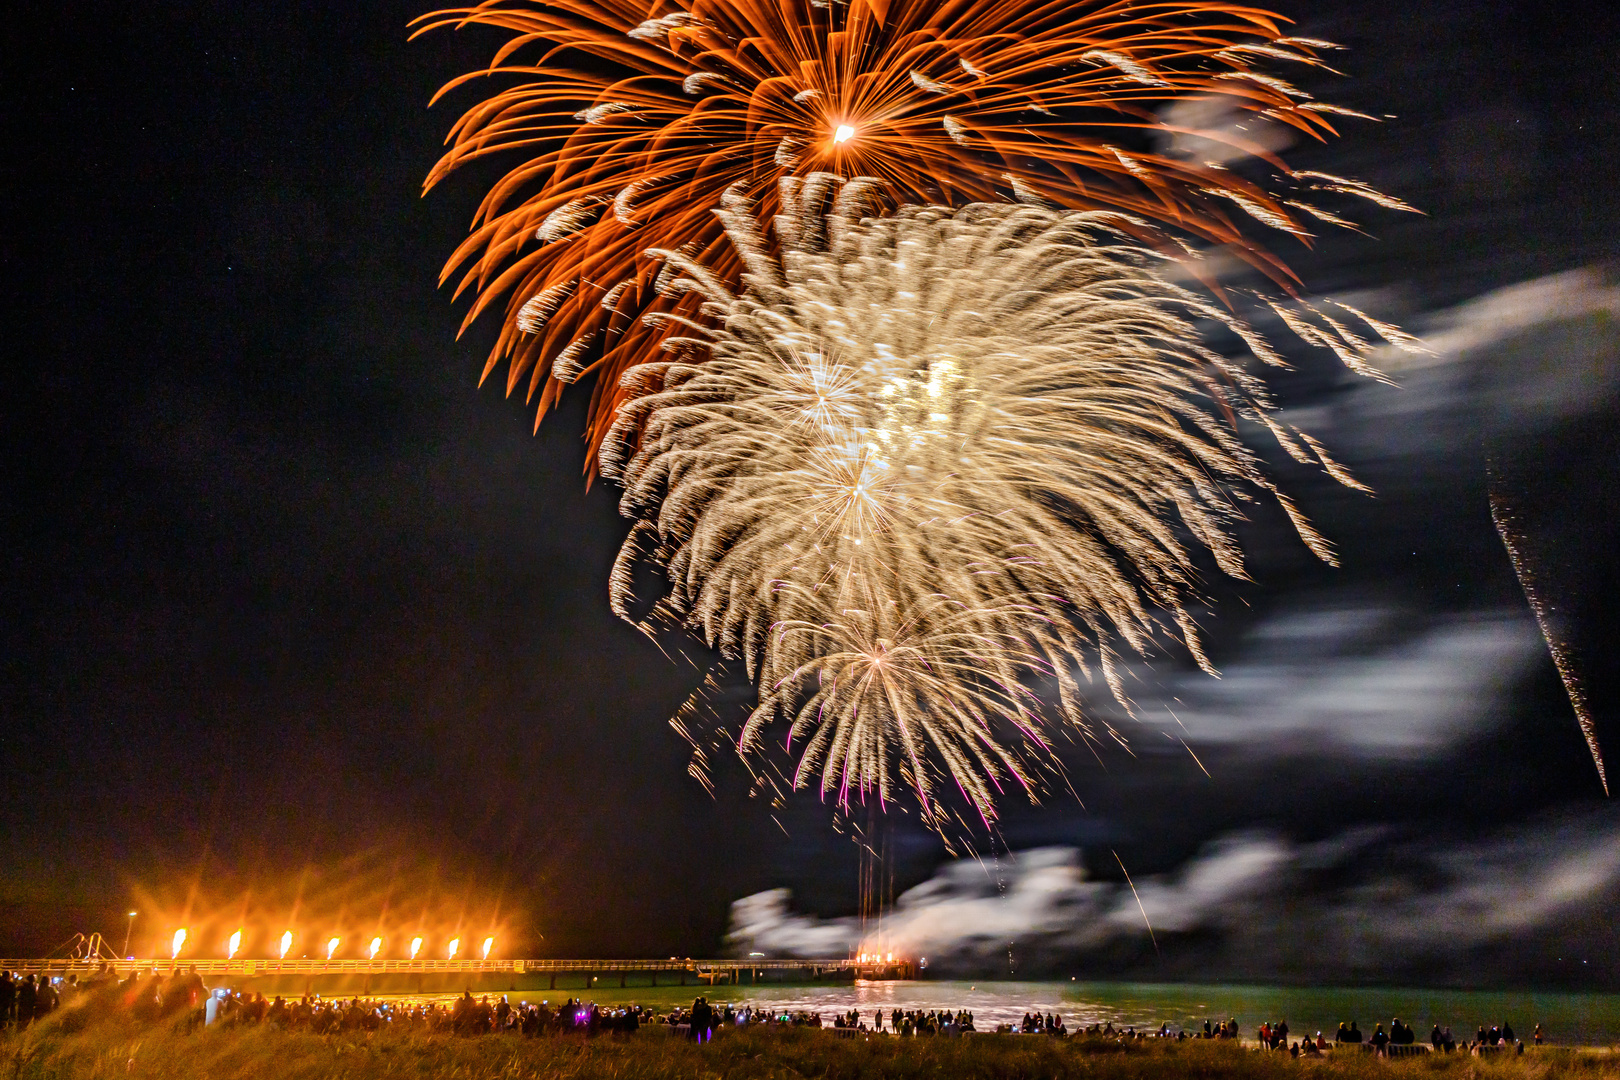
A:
[437,976]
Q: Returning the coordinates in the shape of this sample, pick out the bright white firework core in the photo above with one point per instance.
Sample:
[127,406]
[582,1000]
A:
[843,133]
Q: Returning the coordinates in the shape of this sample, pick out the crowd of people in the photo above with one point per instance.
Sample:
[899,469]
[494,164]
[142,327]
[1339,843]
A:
[28,999]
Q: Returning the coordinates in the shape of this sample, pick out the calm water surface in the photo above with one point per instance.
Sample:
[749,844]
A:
[1585,1019]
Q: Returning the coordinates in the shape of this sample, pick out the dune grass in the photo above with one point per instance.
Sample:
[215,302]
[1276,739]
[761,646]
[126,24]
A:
[119,1048]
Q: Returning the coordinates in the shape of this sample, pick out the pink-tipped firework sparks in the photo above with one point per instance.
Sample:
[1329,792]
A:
[629,119]
[931,467]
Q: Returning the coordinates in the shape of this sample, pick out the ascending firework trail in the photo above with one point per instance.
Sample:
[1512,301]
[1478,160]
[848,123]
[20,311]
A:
[1512,534]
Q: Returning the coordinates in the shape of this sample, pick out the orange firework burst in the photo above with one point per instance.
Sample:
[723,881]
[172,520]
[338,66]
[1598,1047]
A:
[635,117]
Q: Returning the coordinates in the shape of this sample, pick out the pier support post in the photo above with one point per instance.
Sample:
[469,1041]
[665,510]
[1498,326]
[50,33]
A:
[554,980]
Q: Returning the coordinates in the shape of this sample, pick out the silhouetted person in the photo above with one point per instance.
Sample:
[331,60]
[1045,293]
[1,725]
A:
[45,998]
[27,994]
[8,1001]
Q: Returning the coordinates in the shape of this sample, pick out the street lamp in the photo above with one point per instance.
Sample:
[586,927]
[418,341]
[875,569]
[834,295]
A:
[128,929]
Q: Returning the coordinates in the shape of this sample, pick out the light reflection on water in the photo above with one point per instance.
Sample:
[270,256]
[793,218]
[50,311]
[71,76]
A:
[1587,1019]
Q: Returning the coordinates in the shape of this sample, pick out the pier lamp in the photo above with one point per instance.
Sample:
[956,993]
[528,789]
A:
[376,947]
[453,948]
[416,946]
[127,931]
[235,944]
[177,943]
[286,943]
[331,946]
[489,943]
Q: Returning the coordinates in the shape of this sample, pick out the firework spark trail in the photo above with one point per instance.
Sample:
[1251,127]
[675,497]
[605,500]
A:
[630,124]
[1138,896]
[929,461]
[1512,535]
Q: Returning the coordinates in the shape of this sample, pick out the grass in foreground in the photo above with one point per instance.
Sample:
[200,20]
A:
[119,1049]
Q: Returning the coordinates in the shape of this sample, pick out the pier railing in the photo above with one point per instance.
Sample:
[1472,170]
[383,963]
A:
[380,966]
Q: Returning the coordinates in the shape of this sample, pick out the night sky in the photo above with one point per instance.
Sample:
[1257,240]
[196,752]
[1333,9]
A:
[288,599]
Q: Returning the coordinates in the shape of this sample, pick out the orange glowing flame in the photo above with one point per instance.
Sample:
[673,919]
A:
[454,947]
[178,943]
[416,946]
[489,943]
[235,944]
[331,947]
[376,947]
[286,943]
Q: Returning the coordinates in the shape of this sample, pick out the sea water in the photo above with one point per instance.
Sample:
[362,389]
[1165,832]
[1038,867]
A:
[1574,1019]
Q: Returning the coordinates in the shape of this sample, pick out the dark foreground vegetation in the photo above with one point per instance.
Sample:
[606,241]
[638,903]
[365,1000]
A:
[119,1047]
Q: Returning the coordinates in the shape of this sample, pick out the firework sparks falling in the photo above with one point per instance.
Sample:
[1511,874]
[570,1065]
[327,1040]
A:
[632,123]
[931,460]
[1512,534]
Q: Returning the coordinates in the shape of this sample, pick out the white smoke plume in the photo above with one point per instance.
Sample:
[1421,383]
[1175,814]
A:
[1535,903]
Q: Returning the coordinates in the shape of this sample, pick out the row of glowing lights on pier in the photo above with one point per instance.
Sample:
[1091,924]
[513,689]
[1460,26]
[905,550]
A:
[452,948]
